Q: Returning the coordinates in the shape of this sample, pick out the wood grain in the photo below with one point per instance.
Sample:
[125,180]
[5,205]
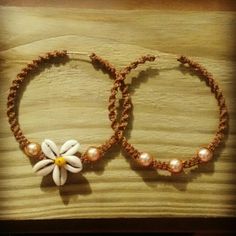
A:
[174,112]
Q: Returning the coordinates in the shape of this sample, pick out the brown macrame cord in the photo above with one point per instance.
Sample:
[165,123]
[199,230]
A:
[119,83]
[223,114]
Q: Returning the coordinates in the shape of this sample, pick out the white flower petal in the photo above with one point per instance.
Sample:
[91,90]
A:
[73,161]
[59,175]
[56,175]
[70,147]
[73,169]
[50,149]
[42,164]
[43,167]
[45,171]
[63,175]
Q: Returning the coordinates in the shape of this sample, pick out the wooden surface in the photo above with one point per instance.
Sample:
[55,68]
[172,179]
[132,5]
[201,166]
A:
[174,112]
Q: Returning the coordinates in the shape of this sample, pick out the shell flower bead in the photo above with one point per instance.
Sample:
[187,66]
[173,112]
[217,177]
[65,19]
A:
[59,161]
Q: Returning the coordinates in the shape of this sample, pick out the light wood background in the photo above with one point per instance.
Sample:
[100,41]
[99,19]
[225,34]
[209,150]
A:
[174,112]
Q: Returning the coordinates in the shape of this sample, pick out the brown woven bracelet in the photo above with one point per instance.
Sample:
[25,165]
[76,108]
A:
[52,159]
[204,154]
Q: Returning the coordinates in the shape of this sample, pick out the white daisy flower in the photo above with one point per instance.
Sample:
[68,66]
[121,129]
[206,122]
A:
[59,161]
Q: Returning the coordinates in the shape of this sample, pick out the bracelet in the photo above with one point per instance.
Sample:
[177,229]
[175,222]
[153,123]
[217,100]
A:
[67,158]
[204,154]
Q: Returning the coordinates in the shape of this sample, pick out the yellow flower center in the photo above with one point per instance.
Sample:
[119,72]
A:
[60,161]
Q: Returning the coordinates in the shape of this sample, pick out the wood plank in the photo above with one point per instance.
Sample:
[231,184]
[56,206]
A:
[200,5]
[174,113]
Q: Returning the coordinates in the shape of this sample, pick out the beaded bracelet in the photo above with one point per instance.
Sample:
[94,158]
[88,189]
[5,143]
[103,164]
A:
[67,158]
[204,154]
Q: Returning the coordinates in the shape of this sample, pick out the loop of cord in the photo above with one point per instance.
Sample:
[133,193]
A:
[53,58]
[223,114]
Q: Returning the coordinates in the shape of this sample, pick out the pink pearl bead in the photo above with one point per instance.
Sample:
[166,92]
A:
[93,153]
[145,159]
[33,150]
[205,154]
[176,166]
